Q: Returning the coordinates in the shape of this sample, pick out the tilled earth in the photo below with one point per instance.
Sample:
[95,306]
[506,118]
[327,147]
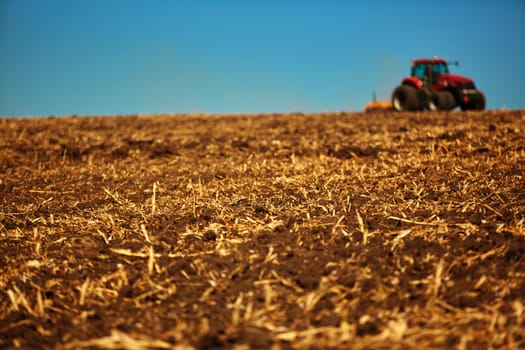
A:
[296,231]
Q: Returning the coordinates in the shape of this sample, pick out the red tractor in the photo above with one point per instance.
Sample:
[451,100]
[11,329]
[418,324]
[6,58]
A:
[431,87]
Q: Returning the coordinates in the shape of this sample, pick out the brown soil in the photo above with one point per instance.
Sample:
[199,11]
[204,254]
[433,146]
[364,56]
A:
[363,231]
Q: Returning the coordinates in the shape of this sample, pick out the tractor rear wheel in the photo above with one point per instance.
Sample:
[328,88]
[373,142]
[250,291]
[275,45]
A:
[442,100]
[405,98]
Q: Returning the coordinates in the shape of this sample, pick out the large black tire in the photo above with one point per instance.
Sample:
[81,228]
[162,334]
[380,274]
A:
[449,102]
[477,102]
[479,105]
[406,98]
[441,100]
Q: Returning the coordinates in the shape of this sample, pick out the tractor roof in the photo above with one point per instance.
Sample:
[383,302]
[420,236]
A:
[429,60]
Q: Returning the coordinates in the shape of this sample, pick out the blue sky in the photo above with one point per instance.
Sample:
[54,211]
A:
[102,57]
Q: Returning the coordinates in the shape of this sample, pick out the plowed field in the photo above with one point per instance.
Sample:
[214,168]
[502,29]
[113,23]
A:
[296,231]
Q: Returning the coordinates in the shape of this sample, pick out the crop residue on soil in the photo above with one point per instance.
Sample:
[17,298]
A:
[363,231]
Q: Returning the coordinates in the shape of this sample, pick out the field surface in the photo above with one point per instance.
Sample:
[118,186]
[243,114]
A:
[297,231]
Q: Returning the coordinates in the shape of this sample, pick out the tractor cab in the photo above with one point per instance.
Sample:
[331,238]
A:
[428,70]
